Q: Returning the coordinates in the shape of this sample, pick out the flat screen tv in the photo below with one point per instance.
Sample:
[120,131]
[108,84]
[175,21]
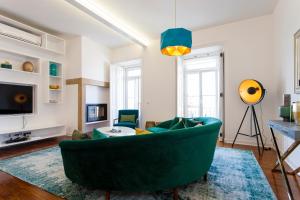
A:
[16,99]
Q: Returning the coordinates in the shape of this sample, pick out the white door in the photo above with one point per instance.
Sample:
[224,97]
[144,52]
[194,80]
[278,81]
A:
[202,87]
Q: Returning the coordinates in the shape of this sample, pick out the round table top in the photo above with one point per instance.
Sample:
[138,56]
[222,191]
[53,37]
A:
[124,131]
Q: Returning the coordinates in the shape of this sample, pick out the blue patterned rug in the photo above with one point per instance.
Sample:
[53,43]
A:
[234,174]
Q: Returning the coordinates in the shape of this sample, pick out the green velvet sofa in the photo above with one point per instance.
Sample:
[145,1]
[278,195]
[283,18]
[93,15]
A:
[162,160]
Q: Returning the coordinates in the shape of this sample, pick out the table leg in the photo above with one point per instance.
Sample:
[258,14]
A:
[286,154]
[290,194]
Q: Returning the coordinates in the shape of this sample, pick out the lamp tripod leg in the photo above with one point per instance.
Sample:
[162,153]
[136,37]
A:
[240,126]
[258,129]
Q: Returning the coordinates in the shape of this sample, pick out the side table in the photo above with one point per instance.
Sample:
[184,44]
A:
[292,131]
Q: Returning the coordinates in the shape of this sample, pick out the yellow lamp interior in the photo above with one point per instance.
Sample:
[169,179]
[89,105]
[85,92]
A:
[175,50]
[251,91]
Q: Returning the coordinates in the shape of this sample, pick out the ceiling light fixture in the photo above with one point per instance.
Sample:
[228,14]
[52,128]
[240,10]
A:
[176,41]
[95,10]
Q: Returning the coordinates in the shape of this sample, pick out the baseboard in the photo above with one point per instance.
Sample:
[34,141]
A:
[247,142]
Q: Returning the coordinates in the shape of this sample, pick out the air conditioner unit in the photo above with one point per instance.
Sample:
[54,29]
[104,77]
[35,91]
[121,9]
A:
[19,34]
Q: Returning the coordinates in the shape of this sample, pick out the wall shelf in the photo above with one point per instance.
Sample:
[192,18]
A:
[17,59]
[17,71]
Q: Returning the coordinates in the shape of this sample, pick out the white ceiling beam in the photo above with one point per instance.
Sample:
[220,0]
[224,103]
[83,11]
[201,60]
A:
[96,11]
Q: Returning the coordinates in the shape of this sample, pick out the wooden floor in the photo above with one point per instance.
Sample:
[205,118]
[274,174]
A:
[12,188]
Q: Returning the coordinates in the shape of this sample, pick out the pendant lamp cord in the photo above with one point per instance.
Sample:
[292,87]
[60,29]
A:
[175,13]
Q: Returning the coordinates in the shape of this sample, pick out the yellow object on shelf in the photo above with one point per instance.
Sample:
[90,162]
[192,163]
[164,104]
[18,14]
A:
[54,87]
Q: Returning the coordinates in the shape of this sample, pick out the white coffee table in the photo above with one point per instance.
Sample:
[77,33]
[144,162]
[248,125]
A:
[125,131]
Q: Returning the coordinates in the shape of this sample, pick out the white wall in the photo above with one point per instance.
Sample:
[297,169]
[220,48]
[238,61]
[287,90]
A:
[86,59]
[73,57]
[95,60]
[286,24]
[248,54]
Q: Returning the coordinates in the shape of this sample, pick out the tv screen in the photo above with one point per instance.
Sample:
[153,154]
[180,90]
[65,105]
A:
[15,99]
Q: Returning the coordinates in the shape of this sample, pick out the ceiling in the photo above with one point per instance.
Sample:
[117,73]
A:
[148,17]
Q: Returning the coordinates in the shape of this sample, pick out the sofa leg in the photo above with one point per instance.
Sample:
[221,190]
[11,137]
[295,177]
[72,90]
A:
[107,195]
[205,177]
[175,194]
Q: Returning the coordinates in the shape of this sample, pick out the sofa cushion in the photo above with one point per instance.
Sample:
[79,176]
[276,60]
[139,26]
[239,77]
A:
[127,118]
[98,135]
[191,123]
[156,129]
[179,125]
[78,135]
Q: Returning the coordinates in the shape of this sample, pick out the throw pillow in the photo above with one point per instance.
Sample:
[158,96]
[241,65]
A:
[98,135]
[175,121]
[139,131]
[127,118]
[179,125]
[192,123]
[77,135]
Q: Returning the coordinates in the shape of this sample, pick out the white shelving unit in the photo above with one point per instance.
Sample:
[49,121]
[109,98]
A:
[53,96]
[17,59]
[16,51]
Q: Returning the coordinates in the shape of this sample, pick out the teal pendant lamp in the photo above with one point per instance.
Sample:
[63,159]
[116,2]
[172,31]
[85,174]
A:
[176,41]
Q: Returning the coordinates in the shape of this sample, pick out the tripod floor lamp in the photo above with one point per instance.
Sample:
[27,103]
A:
[251,92]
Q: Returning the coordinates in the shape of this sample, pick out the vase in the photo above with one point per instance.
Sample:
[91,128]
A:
[296,112]
[28,66]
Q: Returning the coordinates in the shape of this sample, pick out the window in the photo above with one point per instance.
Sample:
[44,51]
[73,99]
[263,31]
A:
[125,89]
[199,85]
[132,87]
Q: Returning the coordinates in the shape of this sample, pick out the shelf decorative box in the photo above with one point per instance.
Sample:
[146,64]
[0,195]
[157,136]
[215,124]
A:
[53,69]
[6,65]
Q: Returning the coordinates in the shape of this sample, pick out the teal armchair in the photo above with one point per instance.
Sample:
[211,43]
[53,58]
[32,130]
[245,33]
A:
[131,124]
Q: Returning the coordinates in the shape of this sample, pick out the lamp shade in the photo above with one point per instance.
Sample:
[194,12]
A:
[251,91]
[176,42]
